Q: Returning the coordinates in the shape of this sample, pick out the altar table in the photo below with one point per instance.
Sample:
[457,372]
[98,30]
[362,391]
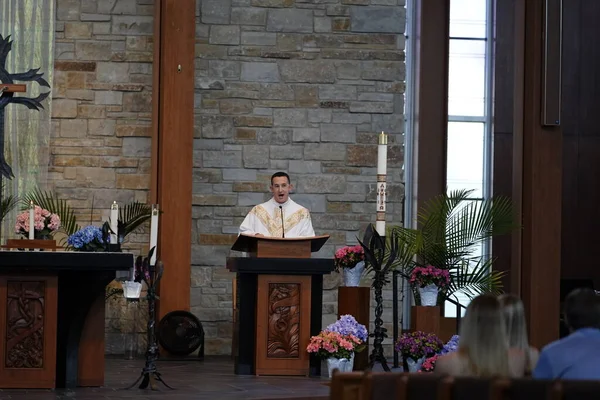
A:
[52,317]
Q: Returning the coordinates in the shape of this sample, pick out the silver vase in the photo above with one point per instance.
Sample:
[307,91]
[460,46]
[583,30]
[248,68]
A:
[343,364]
[352,275]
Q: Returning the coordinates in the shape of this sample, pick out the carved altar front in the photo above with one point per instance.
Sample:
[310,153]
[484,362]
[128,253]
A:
[52,317]
[28,331]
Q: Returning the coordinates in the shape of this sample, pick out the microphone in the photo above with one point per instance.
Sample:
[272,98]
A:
[282,227]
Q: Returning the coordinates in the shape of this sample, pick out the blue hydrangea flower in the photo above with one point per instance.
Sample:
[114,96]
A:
[347,325]
[87,238]
[451,346]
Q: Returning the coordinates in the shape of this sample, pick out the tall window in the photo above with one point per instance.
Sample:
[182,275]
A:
[470,105]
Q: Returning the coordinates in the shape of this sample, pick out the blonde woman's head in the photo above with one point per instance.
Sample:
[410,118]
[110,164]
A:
[483,338]
[514,320]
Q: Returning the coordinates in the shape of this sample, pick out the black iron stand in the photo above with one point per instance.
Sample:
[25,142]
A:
[379,334]
[395,315]
[150,375]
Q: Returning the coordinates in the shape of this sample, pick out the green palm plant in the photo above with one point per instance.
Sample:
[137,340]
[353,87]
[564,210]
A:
[451,227]
[51,202]
[131,217]
[6,203]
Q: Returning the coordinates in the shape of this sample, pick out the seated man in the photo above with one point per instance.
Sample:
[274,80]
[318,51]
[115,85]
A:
[576,356]
[280,216]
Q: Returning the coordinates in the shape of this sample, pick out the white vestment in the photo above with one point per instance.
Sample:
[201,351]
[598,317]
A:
[266,219]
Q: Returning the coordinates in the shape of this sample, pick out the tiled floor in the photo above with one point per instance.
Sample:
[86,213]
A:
[199,380]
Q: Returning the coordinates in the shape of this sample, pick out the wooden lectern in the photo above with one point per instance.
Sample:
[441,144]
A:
[280,301]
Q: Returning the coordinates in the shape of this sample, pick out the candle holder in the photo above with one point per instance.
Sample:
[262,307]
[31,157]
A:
[380,257]
[151,275]
[131,291]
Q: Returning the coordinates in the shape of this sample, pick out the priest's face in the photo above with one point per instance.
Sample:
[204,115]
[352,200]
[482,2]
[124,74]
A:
[280,187]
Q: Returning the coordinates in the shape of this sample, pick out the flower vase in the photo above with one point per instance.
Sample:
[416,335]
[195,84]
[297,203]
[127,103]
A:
[352,275]
[429,295]
[343,364]
[414,365]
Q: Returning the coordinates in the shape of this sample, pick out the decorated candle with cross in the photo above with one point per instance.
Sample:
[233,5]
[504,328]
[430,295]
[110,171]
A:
[381,183]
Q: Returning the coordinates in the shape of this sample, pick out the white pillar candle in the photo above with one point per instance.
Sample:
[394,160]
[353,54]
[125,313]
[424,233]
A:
[31,221]
[114,223]
[381,183]
[154,232]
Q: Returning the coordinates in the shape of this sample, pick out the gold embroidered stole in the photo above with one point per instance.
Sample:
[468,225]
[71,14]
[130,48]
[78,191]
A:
[273,222]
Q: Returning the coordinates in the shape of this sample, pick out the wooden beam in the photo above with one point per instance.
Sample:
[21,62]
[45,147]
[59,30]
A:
[538,165]
[173,147]
[155,104]
[431,112]
[13,88]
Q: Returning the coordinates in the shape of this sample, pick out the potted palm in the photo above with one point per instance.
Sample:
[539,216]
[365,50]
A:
[451,227]
[6,203]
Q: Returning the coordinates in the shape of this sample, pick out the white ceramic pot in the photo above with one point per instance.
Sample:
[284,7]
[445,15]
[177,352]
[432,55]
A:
[414,365]
[343,364]
[429,295]
[352,275]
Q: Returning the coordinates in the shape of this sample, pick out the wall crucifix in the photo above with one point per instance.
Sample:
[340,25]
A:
[8,88]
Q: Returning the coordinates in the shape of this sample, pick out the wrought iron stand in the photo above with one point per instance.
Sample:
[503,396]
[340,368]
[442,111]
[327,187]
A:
[379,334]
[150,375]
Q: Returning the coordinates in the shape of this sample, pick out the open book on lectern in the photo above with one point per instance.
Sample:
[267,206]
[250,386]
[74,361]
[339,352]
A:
[273,247]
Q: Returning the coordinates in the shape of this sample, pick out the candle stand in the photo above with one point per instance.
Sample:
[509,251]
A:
[150,375]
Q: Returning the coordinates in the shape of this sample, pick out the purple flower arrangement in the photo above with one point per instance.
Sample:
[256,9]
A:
[450,347]
[347,325]
[418,344]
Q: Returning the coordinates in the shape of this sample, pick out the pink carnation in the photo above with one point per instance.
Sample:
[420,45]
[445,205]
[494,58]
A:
[43,220]
[423,276]
[348,256]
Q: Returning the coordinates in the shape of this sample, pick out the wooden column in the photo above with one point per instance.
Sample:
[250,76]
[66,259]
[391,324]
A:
[172,146]
[504,105]
[537,177]
[431,100]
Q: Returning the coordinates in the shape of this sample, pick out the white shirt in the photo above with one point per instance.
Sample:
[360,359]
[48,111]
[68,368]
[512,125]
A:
[266,219]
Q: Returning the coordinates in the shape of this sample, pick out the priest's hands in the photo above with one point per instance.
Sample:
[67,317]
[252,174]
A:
[259,234]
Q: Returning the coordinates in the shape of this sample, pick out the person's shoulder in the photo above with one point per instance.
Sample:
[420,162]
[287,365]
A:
[447,362]
[257,209]
[558,345]
[533,352]
[300,207]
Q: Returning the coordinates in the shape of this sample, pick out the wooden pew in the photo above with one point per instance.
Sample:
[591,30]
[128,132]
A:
[347,386]
[425,386]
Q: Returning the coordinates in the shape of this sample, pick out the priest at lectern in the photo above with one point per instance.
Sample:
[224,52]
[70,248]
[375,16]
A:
[280,216]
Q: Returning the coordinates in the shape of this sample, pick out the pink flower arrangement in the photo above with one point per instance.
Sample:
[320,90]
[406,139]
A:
[423,276]
[329,344]
[429,363]
[348,257]
[44,223]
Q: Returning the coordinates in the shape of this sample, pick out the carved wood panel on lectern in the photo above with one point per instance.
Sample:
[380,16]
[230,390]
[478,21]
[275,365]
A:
[25,324]
[282,324]
[283,338]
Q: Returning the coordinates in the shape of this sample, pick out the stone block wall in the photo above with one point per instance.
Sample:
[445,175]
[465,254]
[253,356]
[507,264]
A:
[101,117]
[101,114]
[302,86]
